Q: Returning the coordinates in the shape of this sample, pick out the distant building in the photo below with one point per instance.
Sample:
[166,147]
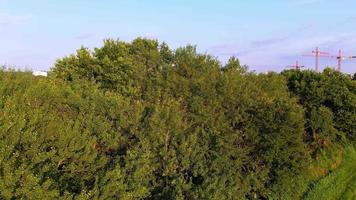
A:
[39,73]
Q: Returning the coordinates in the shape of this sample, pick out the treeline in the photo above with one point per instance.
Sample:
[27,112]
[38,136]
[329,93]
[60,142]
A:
[141,121]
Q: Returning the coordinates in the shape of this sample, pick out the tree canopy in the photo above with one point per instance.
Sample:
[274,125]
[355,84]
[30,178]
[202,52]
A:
[138,120]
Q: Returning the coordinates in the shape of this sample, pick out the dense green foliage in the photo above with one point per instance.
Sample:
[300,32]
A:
[329,100]
[141,121]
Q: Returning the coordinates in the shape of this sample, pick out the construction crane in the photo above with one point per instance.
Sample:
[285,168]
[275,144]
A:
[340,57]
[317,54]
[296,66]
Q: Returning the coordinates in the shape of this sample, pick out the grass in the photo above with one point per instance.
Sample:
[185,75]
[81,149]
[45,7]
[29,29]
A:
[340,183]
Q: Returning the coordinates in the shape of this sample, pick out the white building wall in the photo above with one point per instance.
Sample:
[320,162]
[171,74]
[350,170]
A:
[39,73]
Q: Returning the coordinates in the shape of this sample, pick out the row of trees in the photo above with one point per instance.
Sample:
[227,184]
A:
[140,121]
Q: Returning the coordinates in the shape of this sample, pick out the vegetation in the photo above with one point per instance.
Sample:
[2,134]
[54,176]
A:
[141,121]
[340,183]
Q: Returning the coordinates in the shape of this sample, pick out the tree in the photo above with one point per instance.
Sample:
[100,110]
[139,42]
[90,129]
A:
[137,120]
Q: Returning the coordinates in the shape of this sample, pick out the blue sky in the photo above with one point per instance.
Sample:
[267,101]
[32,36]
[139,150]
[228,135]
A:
[266,35]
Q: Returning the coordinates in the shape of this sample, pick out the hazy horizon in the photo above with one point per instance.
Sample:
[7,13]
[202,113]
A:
[266,36]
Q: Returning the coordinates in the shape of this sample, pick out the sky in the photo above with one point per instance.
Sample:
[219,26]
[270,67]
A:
[265,35]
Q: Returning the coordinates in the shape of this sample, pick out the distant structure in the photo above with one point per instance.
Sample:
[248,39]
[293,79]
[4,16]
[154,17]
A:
[40,73]
[317,54]
[340,57]
[296,66]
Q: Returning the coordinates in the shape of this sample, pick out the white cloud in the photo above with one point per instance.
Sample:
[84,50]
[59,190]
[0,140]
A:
[84,36]
[8,19]
[305,2]
[276,53]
